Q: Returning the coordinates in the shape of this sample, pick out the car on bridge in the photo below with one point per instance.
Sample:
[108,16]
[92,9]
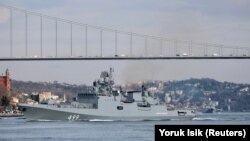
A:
[215,54]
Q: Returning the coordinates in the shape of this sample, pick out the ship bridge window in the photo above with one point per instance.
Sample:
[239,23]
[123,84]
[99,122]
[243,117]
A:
[119,107]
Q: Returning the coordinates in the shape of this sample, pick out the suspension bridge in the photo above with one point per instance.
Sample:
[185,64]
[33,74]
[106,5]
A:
[29,35]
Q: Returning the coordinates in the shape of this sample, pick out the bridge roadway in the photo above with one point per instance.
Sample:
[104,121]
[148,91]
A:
[123,58]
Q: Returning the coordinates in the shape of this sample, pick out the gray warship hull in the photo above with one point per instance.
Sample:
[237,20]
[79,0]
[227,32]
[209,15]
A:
[52,112]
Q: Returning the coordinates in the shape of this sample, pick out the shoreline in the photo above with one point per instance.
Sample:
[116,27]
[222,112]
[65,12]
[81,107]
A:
[10,115]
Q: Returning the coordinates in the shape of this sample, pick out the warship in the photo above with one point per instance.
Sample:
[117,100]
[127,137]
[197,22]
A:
[105,101]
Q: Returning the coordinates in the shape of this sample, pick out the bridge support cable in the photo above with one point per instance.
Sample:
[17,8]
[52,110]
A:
[101,42]
[11,32]
[41,36]
[190,48]
[56,36]
[205,49]
[71,41]
[86,40]
[237,51]
[161,47]
[146,45]
[221,50]
[116,43]
[176,47]
[26,34]
[168,48]
[131,44]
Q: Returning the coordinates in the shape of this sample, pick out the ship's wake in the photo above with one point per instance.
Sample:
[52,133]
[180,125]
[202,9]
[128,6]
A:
[43,120]
[99,120]
[205,118]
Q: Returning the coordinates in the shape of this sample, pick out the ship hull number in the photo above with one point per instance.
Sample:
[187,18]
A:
[73,117]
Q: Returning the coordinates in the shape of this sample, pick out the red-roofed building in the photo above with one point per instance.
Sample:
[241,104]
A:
[5,81]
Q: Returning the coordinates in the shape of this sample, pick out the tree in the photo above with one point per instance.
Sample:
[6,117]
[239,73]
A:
[4,97]
[5,100]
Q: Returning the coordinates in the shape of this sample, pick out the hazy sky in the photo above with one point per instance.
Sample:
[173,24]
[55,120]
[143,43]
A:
[216,21]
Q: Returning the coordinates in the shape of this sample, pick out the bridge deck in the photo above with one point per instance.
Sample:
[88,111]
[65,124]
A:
[123,58]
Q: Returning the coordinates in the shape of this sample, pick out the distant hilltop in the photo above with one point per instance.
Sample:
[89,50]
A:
[191,93]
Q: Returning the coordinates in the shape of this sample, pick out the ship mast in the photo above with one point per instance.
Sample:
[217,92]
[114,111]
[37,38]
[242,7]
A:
[111,81]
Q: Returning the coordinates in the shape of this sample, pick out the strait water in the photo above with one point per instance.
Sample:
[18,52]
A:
[20,129]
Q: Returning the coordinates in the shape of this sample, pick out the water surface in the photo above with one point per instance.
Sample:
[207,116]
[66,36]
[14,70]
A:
[20,129]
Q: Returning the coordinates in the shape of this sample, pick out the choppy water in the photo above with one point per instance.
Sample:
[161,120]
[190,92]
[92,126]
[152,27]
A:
[19,129]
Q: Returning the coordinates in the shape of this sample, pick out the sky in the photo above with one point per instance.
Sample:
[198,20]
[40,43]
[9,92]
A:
[223,22]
